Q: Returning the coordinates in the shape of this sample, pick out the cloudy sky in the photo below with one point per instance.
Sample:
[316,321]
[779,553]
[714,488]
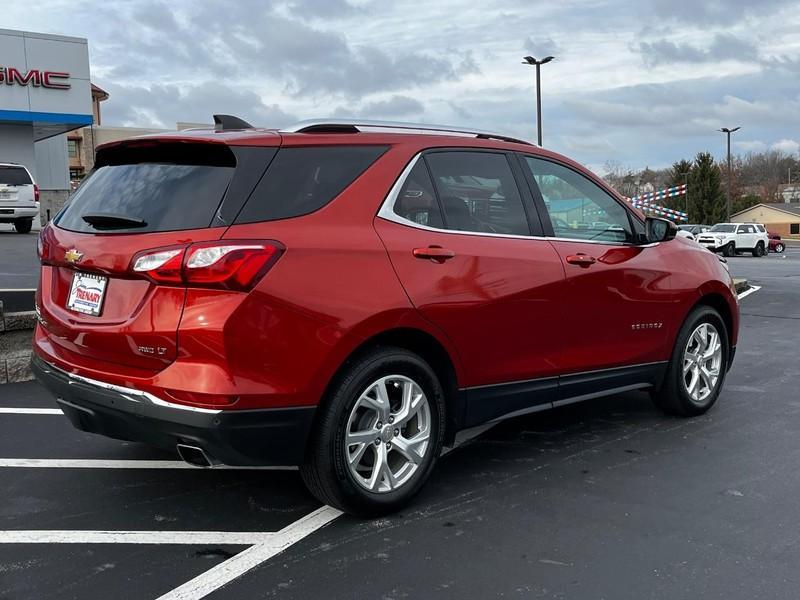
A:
[643,82]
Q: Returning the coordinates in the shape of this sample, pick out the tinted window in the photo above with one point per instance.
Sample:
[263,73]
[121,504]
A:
[579,208]
[722,228]
[478,192]
[761,228]
[14,176]
[302,180]
[169,187]
[417,201]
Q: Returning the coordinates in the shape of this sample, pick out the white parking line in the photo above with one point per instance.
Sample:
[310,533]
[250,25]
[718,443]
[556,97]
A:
[47,536]
[746,293]
[30,411]
[235,567]
[91,463]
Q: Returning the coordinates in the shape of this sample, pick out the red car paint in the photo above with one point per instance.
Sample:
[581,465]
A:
[503,309]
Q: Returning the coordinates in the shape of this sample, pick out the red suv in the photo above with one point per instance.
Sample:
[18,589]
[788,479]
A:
[346,296]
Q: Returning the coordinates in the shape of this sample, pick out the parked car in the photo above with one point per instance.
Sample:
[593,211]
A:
[775,243]
[19,197]
[686,234]
[694,229]
[732,238]
[340,299]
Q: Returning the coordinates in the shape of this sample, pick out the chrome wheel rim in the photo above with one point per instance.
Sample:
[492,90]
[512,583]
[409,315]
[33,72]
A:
[388,434]
[702,362]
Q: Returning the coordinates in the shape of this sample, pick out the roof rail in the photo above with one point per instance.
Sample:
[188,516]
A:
[367,125]
[226,122]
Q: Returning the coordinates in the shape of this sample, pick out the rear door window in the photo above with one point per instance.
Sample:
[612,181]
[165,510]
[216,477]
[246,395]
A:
[169,188]
[14,176]
[478,192]
[417,200]
[302,180]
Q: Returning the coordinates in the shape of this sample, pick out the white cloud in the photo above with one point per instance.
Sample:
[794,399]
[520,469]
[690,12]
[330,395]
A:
[786,146]
[605,96]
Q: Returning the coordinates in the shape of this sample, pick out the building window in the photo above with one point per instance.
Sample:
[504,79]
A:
[794,228]
[72,148]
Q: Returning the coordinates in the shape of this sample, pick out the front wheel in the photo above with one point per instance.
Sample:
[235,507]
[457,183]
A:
[779,248]
[379,434]
[698,365]
[729,250]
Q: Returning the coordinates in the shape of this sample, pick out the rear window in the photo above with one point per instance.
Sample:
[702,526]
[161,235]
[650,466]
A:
[170,187]
[14,176]
[300,181]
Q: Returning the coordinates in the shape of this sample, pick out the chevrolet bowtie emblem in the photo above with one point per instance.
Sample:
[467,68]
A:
[73,256]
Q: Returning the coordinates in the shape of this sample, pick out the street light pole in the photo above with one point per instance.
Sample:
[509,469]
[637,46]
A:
[529,60]
[686,183]
[729,132]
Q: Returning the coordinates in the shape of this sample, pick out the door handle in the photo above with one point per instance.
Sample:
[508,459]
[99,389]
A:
[434,253]
[580,259]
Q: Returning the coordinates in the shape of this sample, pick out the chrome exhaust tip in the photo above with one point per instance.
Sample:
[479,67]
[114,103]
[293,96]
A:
[196,456]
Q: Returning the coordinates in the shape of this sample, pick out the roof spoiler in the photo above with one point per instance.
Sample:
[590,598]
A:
[228,122]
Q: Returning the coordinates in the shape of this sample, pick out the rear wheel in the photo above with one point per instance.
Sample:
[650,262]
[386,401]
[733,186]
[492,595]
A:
[379,435]
[23,225]
[779,248]
[758,251]
[729,249]
[698,365]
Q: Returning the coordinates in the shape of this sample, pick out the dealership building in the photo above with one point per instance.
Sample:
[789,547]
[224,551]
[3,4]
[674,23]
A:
[45,93]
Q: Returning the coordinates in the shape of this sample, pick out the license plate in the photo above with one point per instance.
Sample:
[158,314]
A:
[5,195]
[87,293]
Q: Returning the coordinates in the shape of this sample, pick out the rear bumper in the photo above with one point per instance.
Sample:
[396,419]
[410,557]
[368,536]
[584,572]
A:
[264,437]
[9,214]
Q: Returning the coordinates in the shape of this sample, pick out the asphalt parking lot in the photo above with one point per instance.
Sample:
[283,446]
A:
[19,268]
[606,499]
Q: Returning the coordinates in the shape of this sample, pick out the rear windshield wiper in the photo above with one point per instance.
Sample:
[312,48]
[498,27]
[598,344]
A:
[112,221]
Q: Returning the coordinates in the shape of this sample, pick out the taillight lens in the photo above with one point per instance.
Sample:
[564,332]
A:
[35,193]
[230,265]
[43,245]
[162,265]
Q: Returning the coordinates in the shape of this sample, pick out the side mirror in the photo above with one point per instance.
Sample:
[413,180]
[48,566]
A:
[659,230]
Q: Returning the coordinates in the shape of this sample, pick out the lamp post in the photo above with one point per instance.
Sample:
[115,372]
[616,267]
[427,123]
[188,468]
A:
[529,60]
[686,195]
[729,132]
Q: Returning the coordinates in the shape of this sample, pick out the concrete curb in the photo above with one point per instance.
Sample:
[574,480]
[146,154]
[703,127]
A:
[16,332]
[741,285]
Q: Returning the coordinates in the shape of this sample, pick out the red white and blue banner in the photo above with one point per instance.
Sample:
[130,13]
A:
[647,202]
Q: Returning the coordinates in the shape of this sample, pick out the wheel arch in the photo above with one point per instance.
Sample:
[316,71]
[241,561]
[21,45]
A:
[431,350]
[717,301]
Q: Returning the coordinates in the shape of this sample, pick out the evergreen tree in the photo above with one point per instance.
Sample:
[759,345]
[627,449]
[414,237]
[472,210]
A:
[707,202]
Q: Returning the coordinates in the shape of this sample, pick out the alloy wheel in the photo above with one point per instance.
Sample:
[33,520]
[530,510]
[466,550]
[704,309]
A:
[702,362]
[388,433]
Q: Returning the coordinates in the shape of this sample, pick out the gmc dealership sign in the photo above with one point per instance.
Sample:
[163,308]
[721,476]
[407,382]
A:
[54,80]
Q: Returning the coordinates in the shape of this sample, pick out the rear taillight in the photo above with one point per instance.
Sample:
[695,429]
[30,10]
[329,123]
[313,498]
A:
[35,193]
[230,265]
[44,244]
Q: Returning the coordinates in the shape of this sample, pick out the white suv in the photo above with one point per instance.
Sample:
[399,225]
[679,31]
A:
[19,197]
[730,238]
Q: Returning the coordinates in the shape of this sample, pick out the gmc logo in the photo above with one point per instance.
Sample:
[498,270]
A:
[35,77]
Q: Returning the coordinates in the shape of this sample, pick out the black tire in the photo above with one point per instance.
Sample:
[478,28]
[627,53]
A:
[23,225]
[758,251]
[673,397]
[324,471]
[729,249]
[779,248]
